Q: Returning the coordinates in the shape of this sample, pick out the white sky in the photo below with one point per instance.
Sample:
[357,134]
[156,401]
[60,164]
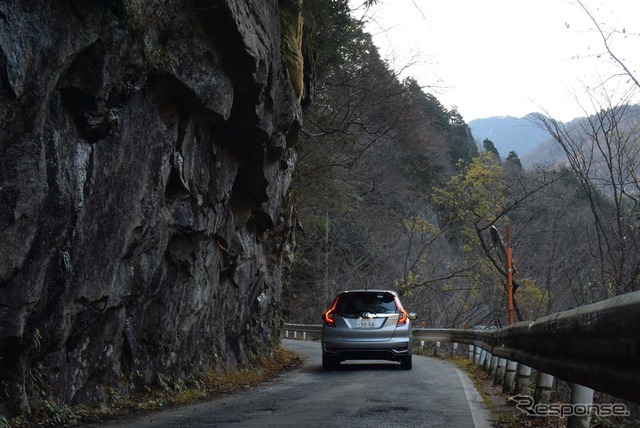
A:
[505,57]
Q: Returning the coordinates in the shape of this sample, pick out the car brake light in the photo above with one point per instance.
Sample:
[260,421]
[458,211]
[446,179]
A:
[328,316]
[402,318]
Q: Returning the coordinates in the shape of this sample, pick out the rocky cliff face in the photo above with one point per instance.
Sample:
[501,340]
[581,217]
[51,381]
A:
[147,149]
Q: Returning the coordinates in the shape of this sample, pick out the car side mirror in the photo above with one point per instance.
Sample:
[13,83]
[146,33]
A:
[413,316]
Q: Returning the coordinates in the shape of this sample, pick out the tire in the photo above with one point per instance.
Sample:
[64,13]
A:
[405,362]
[329,362]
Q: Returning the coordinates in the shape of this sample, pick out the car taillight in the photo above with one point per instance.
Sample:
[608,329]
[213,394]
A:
[402,319]
[328,316]
[404,315]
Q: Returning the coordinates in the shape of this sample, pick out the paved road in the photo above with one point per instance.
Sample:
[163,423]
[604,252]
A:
[360,394]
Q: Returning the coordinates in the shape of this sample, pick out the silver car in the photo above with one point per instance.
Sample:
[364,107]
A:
[366,325]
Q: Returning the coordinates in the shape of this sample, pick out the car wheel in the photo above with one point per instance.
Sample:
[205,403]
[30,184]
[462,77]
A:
[405,362]
[329,362]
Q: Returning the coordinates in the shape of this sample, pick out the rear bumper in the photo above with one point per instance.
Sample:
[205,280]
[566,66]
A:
[392,350]
[393,354]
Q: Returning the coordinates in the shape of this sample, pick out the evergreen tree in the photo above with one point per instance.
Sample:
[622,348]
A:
[513,160]
[489,147]
[462,146]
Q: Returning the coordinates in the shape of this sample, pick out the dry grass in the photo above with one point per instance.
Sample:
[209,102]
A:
[505,415]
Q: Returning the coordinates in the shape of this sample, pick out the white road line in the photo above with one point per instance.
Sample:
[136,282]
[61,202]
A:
[481,416]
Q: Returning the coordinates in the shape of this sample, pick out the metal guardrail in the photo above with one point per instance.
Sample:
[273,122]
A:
[305,328]
[596,345]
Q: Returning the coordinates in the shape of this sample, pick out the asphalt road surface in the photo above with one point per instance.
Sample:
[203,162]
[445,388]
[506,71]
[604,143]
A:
[434,393]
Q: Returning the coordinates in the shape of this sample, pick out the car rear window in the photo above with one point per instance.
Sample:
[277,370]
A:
[357,303]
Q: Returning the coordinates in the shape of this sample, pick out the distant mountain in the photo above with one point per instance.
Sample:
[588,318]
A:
[509,133]
[532,143]
[550,153]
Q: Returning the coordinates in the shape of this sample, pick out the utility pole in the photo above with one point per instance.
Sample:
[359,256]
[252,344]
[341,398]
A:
[504,253]
[326,258]
[509,278]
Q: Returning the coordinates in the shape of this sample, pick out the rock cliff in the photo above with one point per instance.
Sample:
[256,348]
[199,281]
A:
[147,149]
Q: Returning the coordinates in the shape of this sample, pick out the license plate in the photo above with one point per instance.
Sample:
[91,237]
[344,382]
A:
[365,323]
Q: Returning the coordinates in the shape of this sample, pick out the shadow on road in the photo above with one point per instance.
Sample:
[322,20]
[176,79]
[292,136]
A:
[357,366]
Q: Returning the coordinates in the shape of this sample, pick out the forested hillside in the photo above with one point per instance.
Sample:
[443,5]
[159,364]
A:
[391,192]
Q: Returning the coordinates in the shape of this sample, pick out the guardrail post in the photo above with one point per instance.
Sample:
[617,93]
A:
[487,361]
[470,352]
[499,377]
[286,334]
[493,365]
[436,351]
[584,397]
[522,381]
[454,349]
[544,388]
[476,354]
[295,334]
[509,376]
[483,354]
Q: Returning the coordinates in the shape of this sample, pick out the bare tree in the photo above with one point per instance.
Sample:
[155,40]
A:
[603,151]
